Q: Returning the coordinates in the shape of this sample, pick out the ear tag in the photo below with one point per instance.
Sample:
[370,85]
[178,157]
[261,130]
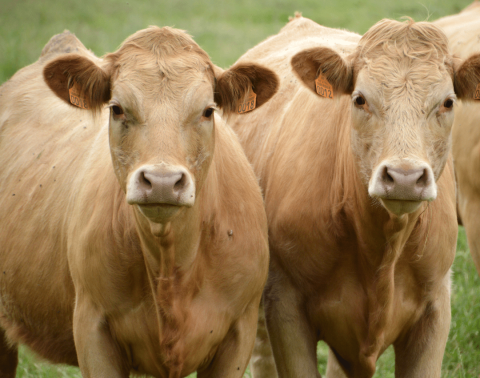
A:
[77,98]
[476,95]
[249,104]
[323,87]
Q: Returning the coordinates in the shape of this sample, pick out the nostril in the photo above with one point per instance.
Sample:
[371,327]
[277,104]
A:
[180,183]
[143,180]
[386,176]
[423,179]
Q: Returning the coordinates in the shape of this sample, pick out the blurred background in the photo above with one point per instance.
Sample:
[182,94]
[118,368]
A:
[225,30]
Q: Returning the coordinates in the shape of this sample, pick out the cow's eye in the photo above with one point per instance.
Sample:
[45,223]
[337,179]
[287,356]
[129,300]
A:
[208,112]
[448,104]
[359,101]
[117,110]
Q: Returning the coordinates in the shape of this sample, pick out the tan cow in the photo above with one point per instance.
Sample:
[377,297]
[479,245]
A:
[155,264]
[463,32]
[359,193]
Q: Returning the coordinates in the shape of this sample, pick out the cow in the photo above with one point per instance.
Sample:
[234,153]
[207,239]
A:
[353,157]
[463,32]
[133,236]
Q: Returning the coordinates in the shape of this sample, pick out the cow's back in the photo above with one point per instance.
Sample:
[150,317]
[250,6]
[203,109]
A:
[43,151]
[463,30]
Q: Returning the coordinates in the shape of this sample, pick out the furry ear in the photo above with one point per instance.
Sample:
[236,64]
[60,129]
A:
[92,83]
[467,77]
[234,84]
[309,64]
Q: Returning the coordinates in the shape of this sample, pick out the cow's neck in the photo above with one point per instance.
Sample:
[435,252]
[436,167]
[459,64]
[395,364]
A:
[381,239]
[170,244]
[170,251]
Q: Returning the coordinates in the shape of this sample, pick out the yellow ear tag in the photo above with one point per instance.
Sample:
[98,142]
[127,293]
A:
[323,87]
[77,98]
[249,104]
[476,95]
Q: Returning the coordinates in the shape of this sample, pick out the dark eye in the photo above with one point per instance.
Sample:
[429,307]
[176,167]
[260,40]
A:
[117,110]
[448,103]
[208,112]
[359,101]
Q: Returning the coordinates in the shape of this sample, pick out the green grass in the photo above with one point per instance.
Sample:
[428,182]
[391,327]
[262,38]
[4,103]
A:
[226,30]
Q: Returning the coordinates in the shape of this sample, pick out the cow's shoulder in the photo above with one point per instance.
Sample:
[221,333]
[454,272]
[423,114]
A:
[233,209]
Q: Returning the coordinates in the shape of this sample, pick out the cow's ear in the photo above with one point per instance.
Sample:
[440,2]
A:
[78,81]
[236,84]
[309,64]
[467,78]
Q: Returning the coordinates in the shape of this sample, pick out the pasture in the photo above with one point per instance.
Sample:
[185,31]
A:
[226,30]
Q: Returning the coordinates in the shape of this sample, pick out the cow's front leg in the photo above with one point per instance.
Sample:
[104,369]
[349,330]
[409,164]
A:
[234,352]
[291,335]
[262,363]
[8,357]
[98,354]
[420,352]
[469,210]
[334,369]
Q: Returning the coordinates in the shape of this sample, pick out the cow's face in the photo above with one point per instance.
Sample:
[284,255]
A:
[161,129]
[401,84]
[162,92]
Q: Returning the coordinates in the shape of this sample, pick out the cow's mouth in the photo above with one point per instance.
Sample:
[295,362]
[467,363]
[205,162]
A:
[159,212]
[400,207]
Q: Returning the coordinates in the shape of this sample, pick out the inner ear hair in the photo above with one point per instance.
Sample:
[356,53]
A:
[91,80]
[234,85]
[309,63]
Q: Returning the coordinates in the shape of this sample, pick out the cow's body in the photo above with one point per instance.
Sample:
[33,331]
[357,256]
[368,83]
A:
[343,269]
[463,32]
[162,298]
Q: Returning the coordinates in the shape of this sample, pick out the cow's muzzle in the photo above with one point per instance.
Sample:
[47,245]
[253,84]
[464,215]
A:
[161,190]
[402,189]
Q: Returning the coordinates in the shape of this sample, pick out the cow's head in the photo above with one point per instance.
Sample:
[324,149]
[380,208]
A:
[162,91]
[403,84]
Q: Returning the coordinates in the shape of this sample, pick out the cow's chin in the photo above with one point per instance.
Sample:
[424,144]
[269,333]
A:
[160,213]
[400,207]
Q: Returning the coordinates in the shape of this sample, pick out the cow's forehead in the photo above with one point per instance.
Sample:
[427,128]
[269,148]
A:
[162,62]
[404,60]
[420,81]
[164,77]
[420,40]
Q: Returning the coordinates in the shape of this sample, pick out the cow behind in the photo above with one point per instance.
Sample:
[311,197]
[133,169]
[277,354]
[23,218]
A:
[359,193]
[462,31]
[133,237]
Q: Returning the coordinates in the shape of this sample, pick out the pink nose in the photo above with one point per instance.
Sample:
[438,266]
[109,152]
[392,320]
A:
[161,185]
[404,184]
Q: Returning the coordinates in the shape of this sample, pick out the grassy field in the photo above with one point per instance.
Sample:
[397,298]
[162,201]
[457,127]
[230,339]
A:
[226,30]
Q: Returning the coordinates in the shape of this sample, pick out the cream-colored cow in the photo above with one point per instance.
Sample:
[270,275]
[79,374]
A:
[154,264]
[360,195]
[463,32]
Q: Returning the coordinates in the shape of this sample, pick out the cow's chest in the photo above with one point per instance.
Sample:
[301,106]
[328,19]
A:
[353,309]
[187,343]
